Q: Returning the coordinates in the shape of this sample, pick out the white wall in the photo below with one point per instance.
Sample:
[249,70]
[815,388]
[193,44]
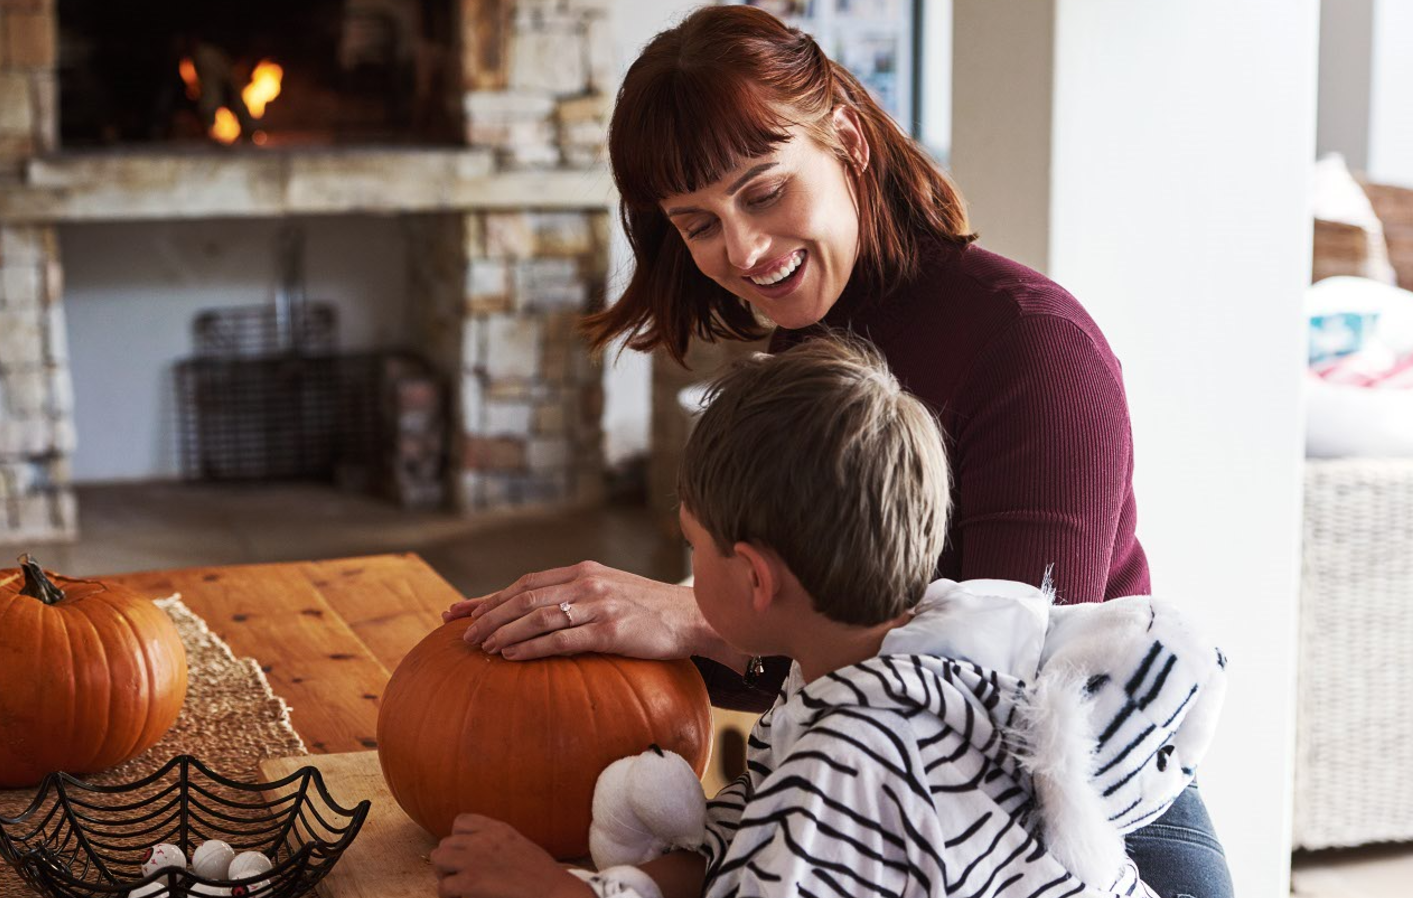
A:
[1178,214]
[627,379]
[935,65]
[1002,106]
[1366,86]
[132,290]
[1391,94]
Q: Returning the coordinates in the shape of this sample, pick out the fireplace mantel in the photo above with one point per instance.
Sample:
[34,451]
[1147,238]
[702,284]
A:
[165,185]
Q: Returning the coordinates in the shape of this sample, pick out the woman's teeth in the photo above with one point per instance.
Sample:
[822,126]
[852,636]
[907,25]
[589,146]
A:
[781,273]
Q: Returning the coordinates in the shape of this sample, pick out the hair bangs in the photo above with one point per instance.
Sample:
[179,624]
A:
[689,129]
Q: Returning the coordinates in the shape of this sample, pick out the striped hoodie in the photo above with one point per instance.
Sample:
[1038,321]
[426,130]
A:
[997,745]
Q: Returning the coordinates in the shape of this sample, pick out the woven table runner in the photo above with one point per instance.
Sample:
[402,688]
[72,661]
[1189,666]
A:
[231,720]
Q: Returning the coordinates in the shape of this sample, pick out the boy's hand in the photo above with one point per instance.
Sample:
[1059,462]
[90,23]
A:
[611,611]
[485,858]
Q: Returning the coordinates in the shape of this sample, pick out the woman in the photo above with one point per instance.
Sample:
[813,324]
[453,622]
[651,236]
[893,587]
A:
[760,181]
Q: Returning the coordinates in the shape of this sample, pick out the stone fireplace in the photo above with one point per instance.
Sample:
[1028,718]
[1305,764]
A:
[507,226]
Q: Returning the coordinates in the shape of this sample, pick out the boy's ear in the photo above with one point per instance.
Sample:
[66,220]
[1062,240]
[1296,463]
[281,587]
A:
[763,570]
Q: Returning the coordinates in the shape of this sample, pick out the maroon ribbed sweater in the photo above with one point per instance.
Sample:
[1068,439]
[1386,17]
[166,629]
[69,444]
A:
[1031,402]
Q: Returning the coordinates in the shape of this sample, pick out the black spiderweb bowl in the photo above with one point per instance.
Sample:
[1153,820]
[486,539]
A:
[79,839]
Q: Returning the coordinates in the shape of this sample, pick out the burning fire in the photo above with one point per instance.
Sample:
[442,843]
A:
[227,127]
[264,87]
[193,84]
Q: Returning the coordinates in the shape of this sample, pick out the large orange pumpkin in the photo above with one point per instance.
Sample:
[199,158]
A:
[461,731]
[90,674]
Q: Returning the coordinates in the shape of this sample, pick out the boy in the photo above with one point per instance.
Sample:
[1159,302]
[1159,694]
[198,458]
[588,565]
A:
[959,739]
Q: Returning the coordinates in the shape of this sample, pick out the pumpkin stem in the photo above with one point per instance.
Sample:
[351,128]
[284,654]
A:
[655,748]
[37,583]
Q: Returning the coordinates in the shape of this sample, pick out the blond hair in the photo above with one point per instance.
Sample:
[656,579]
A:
[819,454]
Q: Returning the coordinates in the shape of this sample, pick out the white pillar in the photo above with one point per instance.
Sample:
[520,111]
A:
[1166,150]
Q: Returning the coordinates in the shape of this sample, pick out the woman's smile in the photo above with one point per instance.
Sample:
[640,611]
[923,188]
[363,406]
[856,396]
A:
[780,278]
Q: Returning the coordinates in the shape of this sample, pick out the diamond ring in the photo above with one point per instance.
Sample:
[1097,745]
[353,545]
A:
[564,606]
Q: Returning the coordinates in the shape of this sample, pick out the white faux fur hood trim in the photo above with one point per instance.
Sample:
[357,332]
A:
[1107,708]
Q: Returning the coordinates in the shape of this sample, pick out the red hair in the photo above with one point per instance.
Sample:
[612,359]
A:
[719,89]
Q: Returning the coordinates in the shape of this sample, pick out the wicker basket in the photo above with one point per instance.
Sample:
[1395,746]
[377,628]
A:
[1354,732]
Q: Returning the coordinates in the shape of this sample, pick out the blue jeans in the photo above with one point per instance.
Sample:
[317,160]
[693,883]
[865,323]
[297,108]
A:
[1178,854]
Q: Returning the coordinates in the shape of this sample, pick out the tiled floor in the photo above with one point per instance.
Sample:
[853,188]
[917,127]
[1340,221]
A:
[137,527]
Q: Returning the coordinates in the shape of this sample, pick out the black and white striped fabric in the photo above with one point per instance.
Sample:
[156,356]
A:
[996,746]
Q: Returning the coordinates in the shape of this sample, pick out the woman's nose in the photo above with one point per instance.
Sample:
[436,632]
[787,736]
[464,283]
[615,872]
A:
[745,246]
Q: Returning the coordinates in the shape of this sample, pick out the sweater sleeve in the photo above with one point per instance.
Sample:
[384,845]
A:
[1043,458]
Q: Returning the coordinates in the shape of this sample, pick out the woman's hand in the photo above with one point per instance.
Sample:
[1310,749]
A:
[609,611]
[485,858]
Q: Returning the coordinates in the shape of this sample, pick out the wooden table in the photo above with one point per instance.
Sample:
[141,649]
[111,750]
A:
[328,634]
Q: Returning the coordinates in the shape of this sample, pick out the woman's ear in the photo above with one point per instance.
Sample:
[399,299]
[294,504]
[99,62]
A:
[764,573]
[848,128]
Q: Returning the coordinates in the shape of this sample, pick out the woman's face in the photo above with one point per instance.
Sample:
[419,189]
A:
[781,231]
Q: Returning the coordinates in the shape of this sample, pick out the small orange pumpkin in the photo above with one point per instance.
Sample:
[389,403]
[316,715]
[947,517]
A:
[92,674]
[461,731]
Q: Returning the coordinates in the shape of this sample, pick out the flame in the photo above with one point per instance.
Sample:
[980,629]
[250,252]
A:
[227,127]
[193,84]
[264,86]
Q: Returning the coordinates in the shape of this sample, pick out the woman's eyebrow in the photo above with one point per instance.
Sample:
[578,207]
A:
[751,173]
[740,182]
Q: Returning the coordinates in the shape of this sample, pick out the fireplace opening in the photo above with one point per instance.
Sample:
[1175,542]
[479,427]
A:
[257,72]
